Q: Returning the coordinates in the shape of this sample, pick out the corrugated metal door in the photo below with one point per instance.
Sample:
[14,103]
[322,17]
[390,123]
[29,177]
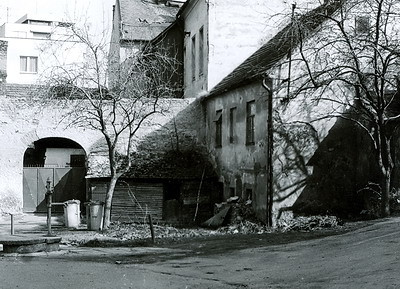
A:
[131,203]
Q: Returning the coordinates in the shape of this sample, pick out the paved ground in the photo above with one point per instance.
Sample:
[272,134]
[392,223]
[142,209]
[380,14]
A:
[366,258]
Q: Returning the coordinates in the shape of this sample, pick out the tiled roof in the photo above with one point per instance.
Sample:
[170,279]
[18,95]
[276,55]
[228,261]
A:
[144,20]
[273,51]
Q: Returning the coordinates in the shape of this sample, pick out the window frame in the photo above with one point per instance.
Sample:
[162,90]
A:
[250,122]
[362,25]
[26,67]
[201,51]
[193,66]
[218,128]
[232,124]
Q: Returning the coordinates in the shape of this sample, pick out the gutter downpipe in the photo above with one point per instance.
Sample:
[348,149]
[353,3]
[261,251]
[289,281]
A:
[268,86]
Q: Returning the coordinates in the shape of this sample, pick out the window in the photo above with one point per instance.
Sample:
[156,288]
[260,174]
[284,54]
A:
[28,64]
[194,57]
[77,160]
[362,25]
[232,192]
[201,50]
[218,129]
[250,127]
[37,22]
[249,195]
[232,124]
[41,35]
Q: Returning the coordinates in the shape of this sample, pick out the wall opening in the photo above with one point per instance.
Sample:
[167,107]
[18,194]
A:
[60,160]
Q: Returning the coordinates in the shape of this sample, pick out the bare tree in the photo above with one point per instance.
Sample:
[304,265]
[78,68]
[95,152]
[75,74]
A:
[351,62]
[118,113]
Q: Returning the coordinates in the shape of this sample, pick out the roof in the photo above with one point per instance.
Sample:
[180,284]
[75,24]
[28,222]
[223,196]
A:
[273,51]
[143,20]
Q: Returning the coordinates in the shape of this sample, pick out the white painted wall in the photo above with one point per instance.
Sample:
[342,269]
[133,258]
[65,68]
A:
[59,50]
[60,157]
[235,29]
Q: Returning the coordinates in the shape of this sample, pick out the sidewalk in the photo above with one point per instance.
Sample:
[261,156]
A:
[29,223]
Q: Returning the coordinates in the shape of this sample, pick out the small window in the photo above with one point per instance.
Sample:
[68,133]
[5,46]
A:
[250,125]
[201,50]
[232,192]
[41,35]
[249,194]
[28,64]
[194,58]
[77,161]
[218,128]
[232,125]
[362,25]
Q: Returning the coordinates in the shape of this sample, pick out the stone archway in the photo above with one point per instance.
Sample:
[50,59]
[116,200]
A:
[60,160]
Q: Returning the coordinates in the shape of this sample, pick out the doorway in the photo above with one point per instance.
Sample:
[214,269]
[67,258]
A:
[62,162]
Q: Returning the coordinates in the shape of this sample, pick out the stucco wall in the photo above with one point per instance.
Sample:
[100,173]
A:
[233,30]
[196,16]
[22,123]
[238,28]
[241,166]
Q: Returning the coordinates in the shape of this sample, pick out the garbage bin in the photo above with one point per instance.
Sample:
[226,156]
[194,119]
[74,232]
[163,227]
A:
[72,213]
[94,215]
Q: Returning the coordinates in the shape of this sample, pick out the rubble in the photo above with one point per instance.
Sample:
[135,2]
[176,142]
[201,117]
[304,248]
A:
[309,223]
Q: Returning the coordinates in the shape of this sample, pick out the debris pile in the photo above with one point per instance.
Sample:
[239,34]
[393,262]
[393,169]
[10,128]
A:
[309,223]
[236,216]
[136,231]
[245,227]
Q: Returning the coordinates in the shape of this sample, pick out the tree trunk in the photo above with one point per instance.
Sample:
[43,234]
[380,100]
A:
[386,178]
[108,202]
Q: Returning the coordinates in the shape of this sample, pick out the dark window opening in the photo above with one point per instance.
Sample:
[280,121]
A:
[194,58]
[201,50]
[250,124]
[362,25]
[77,161]
[249,194]
[232,125]
[218,129]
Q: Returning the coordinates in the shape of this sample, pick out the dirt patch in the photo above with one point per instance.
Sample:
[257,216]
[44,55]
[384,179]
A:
[196,240]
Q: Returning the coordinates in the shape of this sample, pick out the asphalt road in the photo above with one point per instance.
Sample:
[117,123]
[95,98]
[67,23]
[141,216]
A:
[366,258]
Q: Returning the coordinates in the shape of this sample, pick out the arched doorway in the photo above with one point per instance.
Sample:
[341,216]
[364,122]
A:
[60,160]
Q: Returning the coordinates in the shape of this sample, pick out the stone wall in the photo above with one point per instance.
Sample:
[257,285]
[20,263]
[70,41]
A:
[24,121]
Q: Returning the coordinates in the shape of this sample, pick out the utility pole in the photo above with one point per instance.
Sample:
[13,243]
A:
[267,84]
[290,52]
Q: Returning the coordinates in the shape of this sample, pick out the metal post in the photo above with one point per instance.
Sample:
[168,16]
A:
[12,224]
[49,200]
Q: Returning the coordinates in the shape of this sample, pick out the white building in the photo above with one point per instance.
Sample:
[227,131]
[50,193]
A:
[36,45]
[221,34]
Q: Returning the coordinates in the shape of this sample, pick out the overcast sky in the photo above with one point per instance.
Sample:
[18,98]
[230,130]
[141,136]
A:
[96,12]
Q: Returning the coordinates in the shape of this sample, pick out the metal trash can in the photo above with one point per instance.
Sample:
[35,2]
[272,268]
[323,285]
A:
[94,215]
[72,213]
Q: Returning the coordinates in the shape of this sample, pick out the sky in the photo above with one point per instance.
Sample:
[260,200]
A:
[96,13]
